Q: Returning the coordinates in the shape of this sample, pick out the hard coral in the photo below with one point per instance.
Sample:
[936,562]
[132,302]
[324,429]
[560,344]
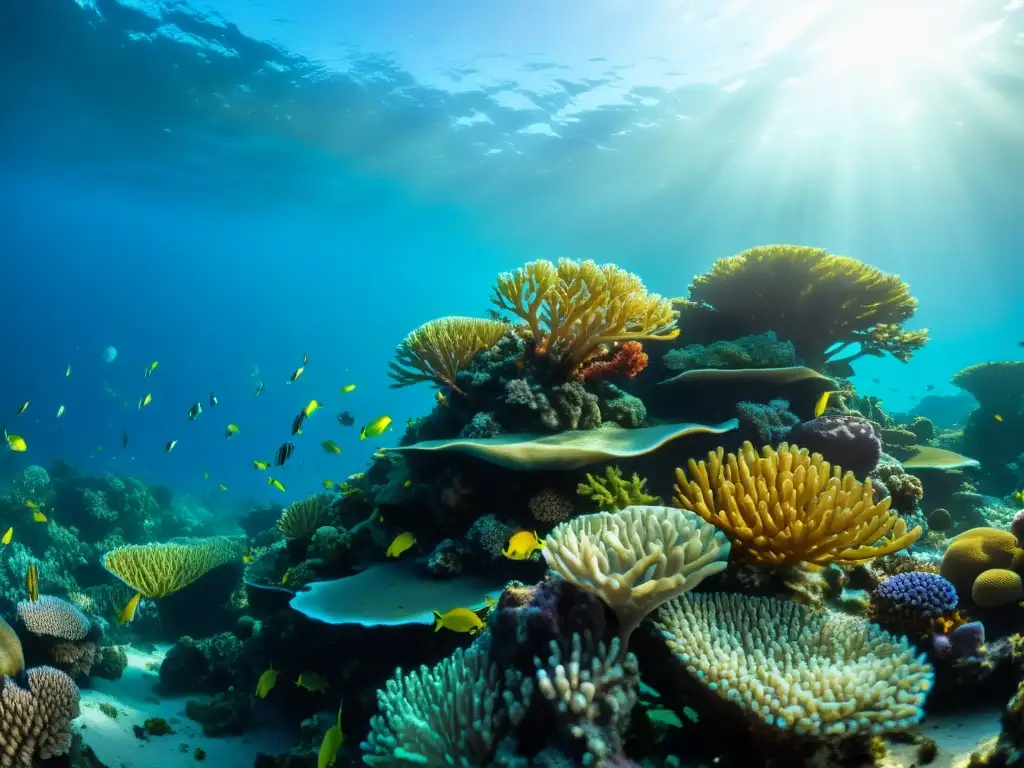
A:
[439,349]
[973,554]
[35,721]
[905,490]
[763,350]
[160,569]
[54,617]
[300,519]
[548,506]
[627,361]
[910,602]
[611,492]
[843,439]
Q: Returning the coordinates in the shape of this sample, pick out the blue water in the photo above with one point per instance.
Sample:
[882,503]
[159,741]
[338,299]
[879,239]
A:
[224,187]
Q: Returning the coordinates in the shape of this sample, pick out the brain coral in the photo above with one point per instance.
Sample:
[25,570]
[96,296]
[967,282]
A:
[973,553]
[54,617]
[997,586]
[910,601]
[792,668]
[35,721]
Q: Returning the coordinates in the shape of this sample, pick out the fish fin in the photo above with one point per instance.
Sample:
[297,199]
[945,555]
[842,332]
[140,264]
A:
[437,622]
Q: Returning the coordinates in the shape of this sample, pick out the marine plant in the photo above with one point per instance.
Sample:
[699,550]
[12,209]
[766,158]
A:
[160,569]
[789,506]
[300,519]
[576,309]
[439,349]
[612,492]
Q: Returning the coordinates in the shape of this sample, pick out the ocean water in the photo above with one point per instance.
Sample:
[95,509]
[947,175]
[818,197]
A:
[226,187]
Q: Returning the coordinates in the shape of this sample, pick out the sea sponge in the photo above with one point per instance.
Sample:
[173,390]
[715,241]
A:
[439,349]
[159,569]
[636,558]
[788,667]
[841,438]
[300,519]
[612,492]
[910,602]
[997,586]
[12,658]
[54,617]
[576,307]
[778,287]
[788,506]
[35,721]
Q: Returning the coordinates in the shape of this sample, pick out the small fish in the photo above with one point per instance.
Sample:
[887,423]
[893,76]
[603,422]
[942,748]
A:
[312,682]
[128,612]
[407,484]
[32,582]
[877,381]
[1018,496]
[152,367]
[60,411]
[286,578]
[691,714]
[305,360]
[522,545]
[347,388]
[206,475]
[15,442]
[442,398]
[38,517]
[458,620]
[170,446]
[68,371]
[195,411]
[283,454]
[375,428]
[276,483]
[24,407]
[260,465]
[998,417]
[124,439]
[402,543]
[663,716]
[232,429]
[330,446]
[259,390]
[213,400]
[8,536]
[331,744]
[312,407]
[297,423]
[144,401]
[295,374]
[346,419]
[266,682]
[223,487]
[328,484]
[822,404]
[32,505]
[929,387]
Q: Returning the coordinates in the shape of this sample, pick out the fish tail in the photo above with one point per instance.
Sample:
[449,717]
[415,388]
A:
[437,622]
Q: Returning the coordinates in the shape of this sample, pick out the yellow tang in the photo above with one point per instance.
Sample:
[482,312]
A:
[231,430]
[32,582]
[128,612]
[821,405]
[15,442]
[331,744]
[276,483]
[23,408]
[458,620]
[522,545]
[8,536]
[375,428]
[312,682]
[311,407]
[266,682]
[330,446]
[38,516]
[152,367]
[402,543]
[261,464]
[348,388]
[144,401]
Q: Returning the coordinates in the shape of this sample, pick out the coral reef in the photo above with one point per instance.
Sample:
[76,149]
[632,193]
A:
[985,563]
[763,350]
[909,603]
[846,440]
[439,349]
[301,519]
[611,492]
[158,570]
[35,719]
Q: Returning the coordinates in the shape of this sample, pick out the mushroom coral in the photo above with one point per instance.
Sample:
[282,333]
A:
[439,349]
[821,302]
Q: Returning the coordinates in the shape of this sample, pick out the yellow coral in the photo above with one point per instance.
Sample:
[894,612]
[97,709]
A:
[12,659]
[612,492]
[439,349]
[576,308]
[787,507]
[160,569]
[300,519]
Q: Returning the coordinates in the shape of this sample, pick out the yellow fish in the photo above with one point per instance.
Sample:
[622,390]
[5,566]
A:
[144,401]
[15,442]
[31,505]
[8,536]
[348,388]
[295,374]
[128,612]
[68,371]
[489,603]
[407,484]
[997,416]
[152,367]
[261,465]
[231,430]
[312,682]
[442,399]
[328,484]
[206,475]
[38,516]
[1018,496]
[23,408]
[32,582]
[330,446]
[402,543]
[60,411]
[375,428]
[247,558]
[223,487]
[266,682]
[822,404]
[312,407]
[170,446]
[458,620]
[276,483]
[331,744]
[522,545]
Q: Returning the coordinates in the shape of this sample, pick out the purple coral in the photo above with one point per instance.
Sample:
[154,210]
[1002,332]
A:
[845,440]
[909,602]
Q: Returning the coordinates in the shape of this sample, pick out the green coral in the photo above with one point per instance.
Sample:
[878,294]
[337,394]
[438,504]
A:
[157,570]
[611,492]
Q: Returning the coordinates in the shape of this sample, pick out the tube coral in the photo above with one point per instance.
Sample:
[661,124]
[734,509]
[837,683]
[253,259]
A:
[439,349]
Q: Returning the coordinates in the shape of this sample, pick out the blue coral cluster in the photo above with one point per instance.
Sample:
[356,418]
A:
[910,602]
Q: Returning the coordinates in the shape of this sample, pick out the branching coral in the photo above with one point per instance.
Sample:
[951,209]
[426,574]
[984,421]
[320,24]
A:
[35,721]
[788,506]
[300,519]
[611,492]
[574,308]
[778,287]
[160,569]
[439,349]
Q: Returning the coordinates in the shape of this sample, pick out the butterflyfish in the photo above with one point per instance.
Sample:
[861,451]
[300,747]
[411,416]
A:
[331,744]
[266,682]
[375,428]
[152,367]
[312,682]
[170,446]
[276,483]
[8,536]
[330,446]
[402,543]
[261,465]
[297,423]
[348,388]
[232,429]
[312,407]
[213,400]
[24,407]
[60,411]
[822,404]
[15,442]
[283,454]
[144,401]
[32,582]
[458,620]
[128,612]
[522,545]
[295,374]
[195,411]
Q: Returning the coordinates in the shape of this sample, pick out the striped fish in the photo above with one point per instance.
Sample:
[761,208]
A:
[32,583]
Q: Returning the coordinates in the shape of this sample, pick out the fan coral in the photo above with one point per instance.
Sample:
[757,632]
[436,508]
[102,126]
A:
[12,658]
[792,668]
[763,350]
[910,602]
[300,519]
[788,506]
[627,361]
[843,439]
[637,558]
[576,307]
[35,721]
[54,617]
[611,492]
[778,287]
[439,349]
[549,506]
[160,569]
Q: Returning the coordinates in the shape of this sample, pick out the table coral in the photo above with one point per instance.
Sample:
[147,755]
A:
[159,569]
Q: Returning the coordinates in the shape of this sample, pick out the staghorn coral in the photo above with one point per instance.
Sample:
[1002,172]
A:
[35,720]
[790,668]
[300,519]
[636,558]
[548,506]
[628,361]
[788,506]
[763,350]
[611,492]
[439,349]
[574,308]
[777,287]
[54,617]
[160,569]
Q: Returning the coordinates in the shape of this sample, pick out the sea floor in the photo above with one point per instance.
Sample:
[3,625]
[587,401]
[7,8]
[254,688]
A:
[117,746]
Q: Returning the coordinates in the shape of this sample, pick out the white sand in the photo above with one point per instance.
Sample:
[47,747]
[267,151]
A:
[117,746]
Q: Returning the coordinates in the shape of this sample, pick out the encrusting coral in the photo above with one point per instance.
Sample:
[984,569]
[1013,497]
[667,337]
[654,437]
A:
[35,720]
[612,492]
[439,349]
[300,519]
[160,569]
[788,506]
